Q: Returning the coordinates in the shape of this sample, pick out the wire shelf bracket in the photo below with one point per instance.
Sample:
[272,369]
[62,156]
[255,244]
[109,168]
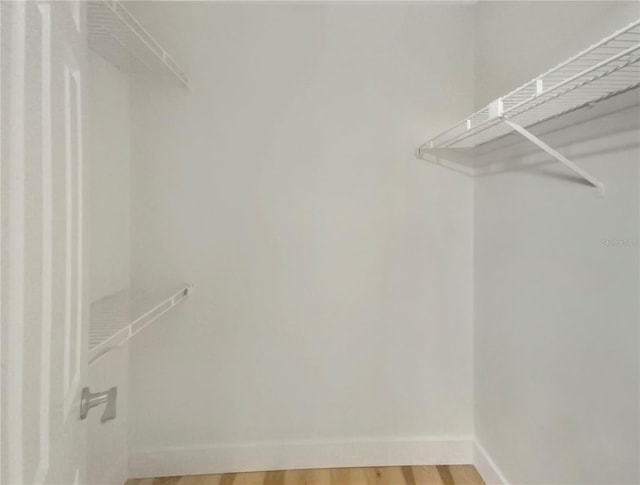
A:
[606,69]
[597,184]
[117,318]
[117,35]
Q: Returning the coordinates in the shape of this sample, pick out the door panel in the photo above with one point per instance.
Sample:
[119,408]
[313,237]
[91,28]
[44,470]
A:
[43,308]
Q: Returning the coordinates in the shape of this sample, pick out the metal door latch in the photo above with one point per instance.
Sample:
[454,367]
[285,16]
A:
[89,400]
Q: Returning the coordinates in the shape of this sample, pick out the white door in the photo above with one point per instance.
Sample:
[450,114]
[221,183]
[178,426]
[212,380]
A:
[43,336]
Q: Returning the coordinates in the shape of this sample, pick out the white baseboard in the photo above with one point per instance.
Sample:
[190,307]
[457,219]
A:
[299,455]
[486,467]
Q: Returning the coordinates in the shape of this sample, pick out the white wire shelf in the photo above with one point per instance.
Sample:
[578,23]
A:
[118,317]
[603,70]
[117,36]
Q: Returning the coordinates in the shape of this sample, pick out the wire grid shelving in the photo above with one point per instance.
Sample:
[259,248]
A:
[117,36]
[603,70]
[118,317]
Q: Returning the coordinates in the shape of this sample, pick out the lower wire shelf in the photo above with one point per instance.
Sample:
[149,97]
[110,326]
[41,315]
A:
[116,318]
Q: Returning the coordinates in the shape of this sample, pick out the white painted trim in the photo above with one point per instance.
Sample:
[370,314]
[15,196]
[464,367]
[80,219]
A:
[73,328]
[216,458]
[487,468]
[47,243]
[79,223]
[15,312]
[68,170]
[2,384]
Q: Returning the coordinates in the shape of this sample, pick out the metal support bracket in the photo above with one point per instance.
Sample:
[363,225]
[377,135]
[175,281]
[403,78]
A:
[597,184]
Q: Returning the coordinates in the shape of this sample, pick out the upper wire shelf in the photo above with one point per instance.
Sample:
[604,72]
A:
[116,35]
[118,317]
[603,70]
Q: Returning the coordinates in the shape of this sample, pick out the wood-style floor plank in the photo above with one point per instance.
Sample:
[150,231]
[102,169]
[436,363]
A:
[426,475]
[392,475]
[321,476]
[445,474]
[465,475]
[200,480]
[253,478]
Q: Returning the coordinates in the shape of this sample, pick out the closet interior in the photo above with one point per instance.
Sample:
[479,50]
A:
[327,242]
[269,168]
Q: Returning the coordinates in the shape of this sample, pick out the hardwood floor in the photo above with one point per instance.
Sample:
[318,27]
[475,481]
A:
[393,475]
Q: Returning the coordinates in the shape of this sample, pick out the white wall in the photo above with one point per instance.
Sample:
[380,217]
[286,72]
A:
[556,309]
[333,270]
[109,154]
[108,163]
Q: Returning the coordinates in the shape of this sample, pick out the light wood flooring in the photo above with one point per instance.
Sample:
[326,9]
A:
[393,475]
